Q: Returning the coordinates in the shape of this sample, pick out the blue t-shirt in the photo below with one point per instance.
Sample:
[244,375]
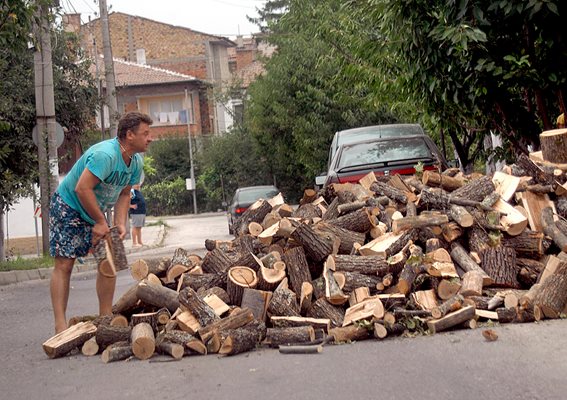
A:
[104,160]
[137,198]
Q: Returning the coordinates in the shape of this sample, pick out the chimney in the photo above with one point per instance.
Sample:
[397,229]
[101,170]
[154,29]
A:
[72,23]
[141,56]
[239,41]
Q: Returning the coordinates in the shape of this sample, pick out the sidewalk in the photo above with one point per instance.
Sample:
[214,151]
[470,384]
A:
[152,235]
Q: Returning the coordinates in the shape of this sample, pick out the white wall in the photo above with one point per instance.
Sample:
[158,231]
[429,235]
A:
[20,221]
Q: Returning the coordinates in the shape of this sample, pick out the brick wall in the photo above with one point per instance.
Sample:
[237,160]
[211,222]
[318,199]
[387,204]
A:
[244,58]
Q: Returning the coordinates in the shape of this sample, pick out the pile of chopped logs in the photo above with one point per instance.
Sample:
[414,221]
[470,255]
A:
[385,257]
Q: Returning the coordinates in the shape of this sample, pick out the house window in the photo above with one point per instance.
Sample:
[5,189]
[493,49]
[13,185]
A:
[170,110]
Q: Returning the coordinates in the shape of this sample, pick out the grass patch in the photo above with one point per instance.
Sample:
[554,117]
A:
[20,263]
[158,222]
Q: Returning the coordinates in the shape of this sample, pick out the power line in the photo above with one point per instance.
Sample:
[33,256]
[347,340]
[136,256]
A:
[233,5]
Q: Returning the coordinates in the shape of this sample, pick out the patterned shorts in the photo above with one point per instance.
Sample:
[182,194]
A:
[69,235]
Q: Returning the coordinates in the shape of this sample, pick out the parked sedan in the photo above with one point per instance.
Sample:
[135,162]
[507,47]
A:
[244,197]
[386,156]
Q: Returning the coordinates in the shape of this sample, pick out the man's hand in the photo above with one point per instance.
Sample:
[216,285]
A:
[100,230]
[122,231]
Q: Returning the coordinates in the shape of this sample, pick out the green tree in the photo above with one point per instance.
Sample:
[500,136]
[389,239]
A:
[75,99]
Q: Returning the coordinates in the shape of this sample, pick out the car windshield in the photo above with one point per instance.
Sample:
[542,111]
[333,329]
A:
[379,131]
[383,151]
[251,195]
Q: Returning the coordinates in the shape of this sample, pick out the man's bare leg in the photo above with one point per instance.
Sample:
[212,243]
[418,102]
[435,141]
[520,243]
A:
[59,287]
[105,291]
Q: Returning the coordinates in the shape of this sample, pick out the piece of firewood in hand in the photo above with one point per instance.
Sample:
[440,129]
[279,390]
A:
[110,254]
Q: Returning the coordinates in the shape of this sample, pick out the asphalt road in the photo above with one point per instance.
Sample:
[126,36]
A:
[528,361]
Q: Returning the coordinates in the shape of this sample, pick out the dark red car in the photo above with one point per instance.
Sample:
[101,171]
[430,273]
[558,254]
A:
[384,156]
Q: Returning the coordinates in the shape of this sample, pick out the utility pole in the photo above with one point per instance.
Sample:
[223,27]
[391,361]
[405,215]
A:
[192,171]
[45,116]
[109,70]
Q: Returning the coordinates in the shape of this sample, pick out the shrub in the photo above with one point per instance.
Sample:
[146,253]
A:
[167,198]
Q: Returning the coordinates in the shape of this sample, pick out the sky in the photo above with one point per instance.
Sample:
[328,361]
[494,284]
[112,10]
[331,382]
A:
[216,17]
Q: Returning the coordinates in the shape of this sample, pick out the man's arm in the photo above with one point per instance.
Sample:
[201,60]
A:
[121,210]
[85,193]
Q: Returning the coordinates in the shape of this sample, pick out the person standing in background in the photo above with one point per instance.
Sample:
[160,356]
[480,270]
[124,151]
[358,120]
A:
[137,214]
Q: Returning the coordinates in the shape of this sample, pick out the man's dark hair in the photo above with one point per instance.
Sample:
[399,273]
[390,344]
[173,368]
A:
[131,121]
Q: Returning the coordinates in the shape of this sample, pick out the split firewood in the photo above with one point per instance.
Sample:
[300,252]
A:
[235,341]
[460,256]
[110,254]
[71,338]
[323,309]
[450,305]
[551,230]
[283,301]
[288,322]
[257,301]
[349,333]
[371,307]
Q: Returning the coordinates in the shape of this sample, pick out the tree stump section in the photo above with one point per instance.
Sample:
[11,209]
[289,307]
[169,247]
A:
[238,279]
[216,261]
[554,145]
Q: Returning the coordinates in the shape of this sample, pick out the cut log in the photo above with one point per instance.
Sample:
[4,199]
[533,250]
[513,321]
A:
[554,145]
[452,319]
[141,268]
[475,190]
[354,280]
[317,246]
[506,185]
[419,221]
[71,338]
[117,352]
[425,299]
[288,322]
[109,334]
[451,231]
[235,320]
[204,313]
[175,350]
[127,302]
[551,297]
[283,302]
[143,341]
[238,279]
[432,178]
[299,334]
[243,339]
[323,309]
[361,220]
[305,297]
[307,349]
[551,230]
[450,305]
[90,347]
[158,296]
[472,284]
[462,258]
[500,264]
[414,266]
[512,220]
[347,237]
[528,244]
[183,338]
[533,204]
[255,213]
[297,267]
[349,333]
[215,261]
